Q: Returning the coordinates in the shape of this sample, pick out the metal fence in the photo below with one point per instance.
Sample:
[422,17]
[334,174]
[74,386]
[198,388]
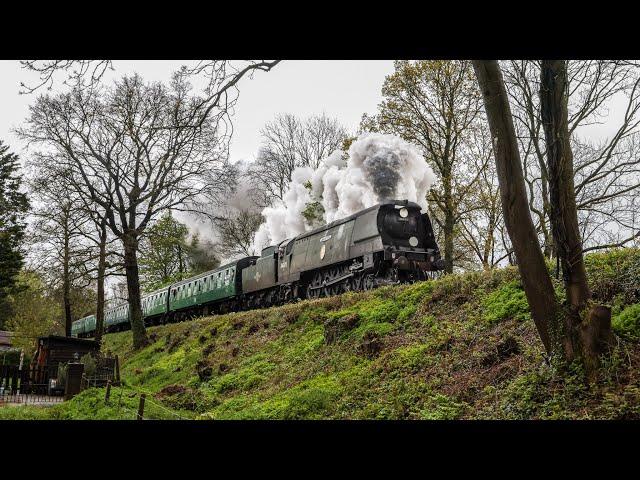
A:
[8,399]
[33,384]
[38,384]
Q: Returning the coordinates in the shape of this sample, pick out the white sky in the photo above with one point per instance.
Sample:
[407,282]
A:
[344,89]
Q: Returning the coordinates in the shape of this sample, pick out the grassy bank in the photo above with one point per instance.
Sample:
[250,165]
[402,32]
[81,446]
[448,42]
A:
[461,347]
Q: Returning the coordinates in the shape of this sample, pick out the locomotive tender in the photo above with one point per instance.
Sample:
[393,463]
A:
[389,243]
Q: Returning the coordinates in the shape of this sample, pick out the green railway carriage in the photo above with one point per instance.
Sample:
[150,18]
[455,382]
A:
[84,326]
[77,328]
[117,318]
[89,324]
[210,291]
[155,304]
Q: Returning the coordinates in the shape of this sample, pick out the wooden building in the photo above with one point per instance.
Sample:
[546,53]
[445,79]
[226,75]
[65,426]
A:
[55,349]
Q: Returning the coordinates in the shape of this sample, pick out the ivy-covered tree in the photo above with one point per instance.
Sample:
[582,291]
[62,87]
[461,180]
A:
[201,255]
[13,207]
[167,255]
[163,252]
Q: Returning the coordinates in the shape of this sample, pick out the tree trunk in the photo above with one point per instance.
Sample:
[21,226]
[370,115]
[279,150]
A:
[449,224]
[582,335]
[533,270]
[448,243]
[102,260]
[180,264]
[66,280]
[130,243]
[549,249]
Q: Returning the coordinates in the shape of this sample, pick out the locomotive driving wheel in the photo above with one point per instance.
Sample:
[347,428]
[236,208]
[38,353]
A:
[368,282]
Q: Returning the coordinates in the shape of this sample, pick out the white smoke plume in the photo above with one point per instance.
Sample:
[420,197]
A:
[379,167]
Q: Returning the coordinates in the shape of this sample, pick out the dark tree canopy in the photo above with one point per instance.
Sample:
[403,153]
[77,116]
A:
[13,207]
[167,255]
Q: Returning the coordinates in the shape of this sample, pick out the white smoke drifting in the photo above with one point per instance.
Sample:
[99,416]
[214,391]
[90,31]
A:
[378,167]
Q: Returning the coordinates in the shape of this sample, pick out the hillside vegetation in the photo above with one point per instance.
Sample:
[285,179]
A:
[461,347]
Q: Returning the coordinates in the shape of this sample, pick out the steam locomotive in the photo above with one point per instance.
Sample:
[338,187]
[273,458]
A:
[389,243]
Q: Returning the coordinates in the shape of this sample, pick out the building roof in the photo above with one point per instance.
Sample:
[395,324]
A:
[5,339]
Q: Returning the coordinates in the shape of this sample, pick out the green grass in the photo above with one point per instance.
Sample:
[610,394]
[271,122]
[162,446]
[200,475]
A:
[461,347]
[506,302]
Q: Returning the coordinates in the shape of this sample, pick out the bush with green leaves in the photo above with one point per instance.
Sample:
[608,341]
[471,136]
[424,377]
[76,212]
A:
[90,366]
[62,374]
[627,322]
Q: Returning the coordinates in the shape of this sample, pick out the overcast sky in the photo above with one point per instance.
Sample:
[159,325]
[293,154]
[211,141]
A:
[342,89]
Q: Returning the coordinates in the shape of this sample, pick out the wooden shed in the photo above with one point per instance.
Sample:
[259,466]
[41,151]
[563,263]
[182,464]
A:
[55,349]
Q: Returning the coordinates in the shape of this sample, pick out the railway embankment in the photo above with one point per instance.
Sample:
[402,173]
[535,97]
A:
[460,347]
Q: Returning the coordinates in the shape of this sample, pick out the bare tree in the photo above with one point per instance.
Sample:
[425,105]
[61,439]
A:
[136,150]
[289,143]
[79,73]
[581,335]
[435,104]
[57,237]
[69,232]
[586,334]
[481,213]
[236,230]
[533,270]
[606,172]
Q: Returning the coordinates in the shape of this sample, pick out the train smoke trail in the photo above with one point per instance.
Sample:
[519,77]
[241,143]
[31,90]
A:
[378,167]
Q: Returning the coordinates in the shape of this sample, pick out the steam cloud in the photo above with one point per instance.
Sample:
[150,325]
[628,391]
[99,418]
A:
[379,167]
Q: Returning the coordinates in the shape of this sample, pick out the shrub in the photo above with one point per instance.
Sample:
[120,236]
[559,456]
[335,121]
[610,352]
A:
[89,365]
[614,272]
[441,407]
[627,322]
[62,375]
[410,358]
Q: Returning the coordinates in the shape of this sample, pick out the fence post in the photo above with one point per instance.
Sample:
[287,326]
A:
[106,396]
[141,407]
[117,370]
